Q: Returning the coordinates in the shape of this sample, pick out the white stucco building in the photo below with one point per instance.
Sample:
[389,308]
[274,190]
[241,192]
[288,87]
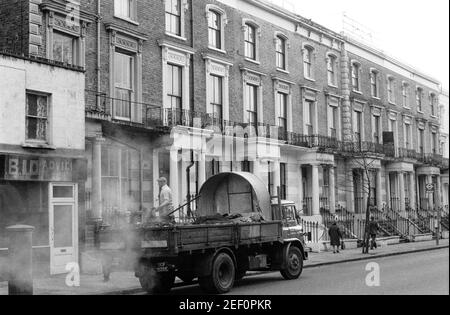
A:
[41,155]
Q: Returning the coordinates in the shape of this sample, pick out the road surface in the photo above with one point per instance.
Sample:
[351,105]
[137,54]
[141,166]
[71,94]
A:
[412,274]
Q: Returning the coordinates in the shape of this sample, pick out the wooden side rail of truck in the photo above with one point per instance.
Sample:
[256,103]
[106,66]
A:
[220,253]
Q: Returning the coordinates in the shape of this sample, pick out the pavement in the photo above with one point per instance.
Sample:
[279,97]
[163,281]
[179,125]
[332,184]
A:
[126,283]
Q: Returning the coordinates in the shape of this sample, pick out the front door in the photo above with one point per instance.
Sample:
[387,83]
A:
[63,227]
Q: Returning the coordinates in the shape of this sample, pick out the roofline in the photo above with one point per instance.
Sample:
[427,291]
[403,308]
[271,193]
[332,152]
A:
[383,55]
[36,59]
[293,17]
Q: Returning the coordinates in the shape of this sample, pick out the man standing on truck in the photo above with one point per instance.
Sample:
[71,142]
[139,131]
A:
[165,203]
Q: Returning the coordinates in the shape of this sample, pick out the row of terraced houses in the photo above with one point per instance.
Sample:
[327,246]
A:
[186,89]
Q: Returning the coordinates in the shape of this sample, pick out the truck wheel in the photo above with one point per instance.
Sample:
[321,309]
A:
[222,275]
[293,263]
[157,283]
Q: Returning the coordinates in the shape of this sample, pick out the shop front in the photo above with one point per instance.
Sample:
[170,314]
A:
[42,191]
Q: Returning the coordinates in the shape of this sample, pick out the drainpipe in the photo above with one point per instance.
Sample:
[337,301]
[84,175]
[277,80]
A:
[188,182]
[98,51]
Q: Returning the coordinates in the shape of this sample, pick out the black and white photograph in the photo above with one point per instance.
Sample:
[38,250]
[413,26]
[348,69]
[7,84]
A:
[221,154]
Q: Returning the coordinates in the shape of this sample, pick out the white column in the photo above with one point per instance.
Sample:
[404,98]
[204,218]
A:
[201,169]
[379,190]
[332,190]
[315,190]
[388,190]
[97,201]
[156,176]
[276,176]
[174,176]
[412,190]
[439,192]
[401,179]
[350,194]
[430,196]
[300,187]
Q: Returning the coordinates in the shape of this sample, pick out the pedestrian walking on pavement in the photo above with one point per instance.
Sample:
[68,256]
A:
[335,237]
[373,231]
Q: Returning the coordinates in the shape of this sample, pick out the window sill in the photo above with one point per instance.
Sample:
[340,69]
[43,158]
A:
[253,61]
[333,86]
[420,112]
[38,145]
[357,92]
[310,79]
[434,116]
[376,98]
[176,36]
[406,107]
[126,19]
[392,103]
[217,49]
[283,71]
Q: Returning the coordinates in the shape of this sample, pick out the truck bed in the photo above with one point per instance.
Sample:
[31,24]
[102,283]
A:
[188,238]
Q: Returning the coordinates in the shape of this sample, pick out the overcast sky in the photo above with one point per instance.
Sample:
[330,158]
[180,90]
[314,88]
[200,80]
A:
[413,31]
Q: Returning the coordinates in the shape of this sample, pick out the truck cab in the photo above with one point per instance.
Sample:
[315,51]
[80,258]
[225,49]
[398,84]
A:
[290,217]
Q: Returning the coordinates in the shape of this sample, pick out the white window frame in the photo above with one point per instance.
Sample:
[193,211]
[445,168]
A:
[133,11]
[48,126]
[419,94]
[329,58]
[220,68]
[377,112]
[62,23]
[406,93]
[280,35]
[334,106]
[177,56]
[257,28]
[393,116]
[132,87]
[307,48]
[132,44]
[358,107]
[376,73]
[310,96]
[408,121]
[280,86]
[223,22]
[183,9]
[391,89]
[357,64]
[421,128]
[433,105]
[253,78]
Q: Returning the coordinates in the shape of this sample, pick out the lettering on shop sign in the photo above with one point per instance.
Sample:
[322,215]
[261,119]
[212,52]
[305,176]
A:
[36,168]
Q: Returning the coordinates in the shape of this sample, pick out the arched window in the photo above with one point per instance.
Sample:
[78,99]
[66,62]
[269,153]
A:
[173,17]
[405,95]
[419,99]
[332,69]
[391,89]
[308,62]
[250,41]
[374,80]
[215,29]
[280,48]
[356,76]
[433,104]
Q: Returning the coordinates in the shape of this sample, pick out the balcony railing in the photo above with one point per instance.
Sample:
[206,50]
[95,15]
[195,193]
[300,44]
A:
[100,106]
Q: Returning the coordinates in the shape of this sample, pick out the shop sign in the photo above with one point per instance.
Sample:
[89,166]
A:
[30,168]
